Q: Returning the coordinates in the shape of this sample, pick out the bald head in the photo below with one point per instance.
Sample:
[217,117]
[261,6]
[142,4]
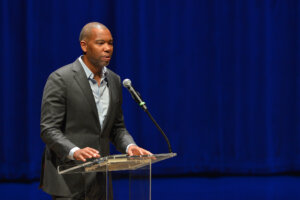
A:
[86,30]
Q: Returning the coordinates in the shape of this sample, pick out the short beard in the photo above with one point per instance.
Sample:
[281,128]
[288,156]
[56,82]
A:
[97,64]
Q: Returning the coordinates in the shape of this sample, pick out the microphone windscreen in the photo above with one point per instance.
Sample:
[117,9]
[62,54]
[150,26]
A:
[126,82]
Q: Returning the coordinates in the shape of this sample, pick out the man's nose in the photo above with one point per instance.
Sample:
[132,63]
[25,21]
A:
[108,47]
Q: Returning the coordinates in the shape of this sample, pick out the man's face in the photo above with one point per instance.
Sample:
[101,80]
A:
[98,47]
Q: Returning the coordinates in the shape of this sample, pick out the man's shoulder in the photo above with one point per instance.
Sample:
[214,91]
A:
[113,75]
[111,72]
[66,70]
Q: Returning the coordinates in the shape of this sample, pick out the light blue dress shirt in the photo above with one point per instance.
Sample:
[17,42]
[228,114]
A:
[100,92]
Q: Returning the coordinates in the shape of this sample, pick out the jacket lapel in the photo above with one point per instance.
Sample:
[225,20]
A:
[82,81]
[111,87]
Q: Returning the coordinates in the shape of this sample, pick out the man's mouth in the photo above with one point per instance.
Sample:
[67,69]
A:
[106,58]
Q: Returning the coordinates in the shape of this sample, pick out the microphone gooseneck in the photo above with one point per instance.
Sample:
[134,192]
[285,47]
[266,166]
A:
[135,95]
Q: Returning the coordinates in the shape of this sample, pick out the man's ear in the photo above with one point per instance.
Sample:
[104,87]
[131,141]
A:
[83,45]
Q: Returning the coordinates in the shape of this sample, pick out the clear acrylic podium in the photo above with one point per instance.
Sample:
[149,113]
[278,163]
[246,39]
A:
[132,172]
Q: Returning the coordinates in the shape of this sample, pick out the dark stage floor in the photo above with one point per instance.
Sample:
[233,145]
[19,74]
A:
[231,188]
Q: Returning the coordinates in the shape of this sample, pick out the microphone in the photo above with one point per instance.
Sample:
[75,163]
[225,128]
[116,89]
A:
[135,95]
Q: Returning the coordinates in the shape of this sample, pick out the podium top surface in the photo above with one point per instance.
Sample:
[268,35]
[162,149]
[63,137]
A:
[114,163]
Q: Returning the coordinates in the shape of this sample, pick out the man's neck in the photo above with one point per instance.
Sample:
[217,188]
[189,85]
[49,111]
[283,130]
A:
[96,70]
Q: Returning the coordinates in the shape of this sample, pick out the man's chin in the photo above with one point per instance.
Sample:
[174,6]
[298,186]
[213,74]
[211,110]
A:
[100,65]
[104,64]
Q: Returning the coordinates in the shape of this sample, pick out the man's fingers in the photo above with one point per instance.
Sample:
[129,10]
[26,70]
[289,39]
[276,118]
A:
[92,150]
[140,151]
[92,154]
[87,154]
[80,157]
[135,150]
[147,152]
[130,152]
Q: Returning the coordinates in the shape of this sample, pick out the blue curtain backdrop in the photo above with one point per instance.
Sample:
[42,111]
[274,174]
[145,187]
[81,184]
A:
[221,77]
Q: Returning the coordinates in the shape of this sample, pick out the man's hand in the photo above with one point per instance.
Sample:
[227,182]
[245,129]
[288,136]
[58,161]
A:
[87,152]
[134,150]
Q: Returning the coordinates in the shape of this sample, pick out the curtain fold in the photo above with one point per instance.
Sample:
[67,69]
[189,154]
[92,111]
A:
[220,77]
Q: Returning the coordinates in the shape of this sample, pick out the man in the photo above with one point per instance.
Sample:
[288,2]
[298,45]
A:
[81,113]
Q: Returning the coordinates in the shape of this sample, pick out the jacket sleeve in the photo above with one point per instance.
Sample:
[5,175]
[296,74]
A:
[53,114]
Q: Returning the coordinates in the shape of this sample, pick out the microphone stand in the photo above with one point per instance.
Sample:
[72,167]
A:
[160,130]
[137,97]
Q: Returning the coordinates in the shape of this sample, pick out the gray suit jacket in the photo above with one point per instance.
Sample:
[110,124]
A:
[69,118]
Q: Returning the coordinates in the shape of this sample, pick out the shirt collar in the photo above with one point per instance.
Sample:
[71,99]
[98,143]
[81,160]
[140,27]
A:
[89,73]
